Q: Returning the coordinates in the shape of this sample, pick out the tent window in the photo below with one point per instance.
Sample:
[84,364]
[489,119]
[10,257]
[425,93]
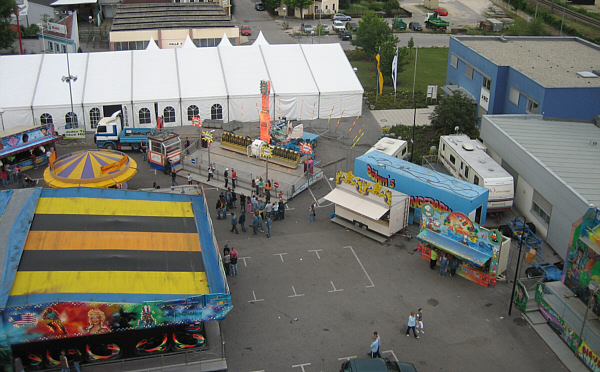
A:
[71,120]
[94,117]
[46,119]
[144,115]
[193,111]
[216,112]
[169,114]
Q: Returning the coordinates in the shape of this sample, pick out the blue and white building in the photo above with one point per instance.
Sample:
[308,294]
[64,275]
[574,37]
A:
[557,77]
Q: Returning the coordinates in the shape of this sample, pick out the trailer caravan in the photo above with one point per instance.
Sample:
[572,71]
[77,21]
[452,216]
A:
[467,159]
[391,146]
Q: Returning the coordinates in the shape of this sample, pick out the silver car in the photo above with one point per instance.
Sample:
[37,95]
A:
[341,17]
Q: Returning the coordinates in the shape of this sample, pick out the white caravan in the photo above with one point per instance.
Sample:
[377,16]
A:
[391,146]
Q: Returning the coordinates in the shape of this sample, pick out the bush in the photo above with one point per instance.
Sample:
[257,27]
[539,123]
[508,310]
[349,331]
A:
[357,54]
[404,100]
[32,30]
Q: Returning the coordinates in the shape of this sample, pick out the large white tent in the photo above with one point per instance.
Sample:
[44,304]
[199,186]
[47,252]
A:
[223,83]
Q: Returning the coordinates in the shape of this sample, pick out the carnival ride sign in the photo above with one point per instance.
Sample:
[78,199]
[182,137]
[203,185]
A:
[364,187]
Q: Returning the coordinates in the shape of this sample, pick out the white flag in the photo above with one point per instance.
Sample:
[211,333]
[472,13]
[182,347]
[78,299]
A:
[395,69]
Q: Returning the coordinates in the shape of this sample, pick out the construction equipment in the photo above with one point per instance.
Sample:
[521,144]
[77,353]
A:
[435,22]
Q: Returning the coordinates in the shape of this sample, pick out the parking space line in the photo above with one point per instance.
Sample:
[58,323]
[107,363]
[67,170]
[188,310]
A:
[334,289]
[256,299]
[316,252]
[280,255]
[301,365]
[362,267]
[391,352]
[295,294]
[244,259]
[347,358]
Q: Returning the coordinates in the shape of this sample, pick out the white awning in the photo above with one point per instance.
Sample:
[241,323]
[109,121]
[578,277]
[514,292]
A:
[362,206]
[73,2]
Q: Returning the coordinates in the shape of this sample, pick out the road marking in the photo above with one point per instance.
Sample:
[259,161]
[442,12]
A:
[301,366]
[296,294]
[362,267]
[391,352]
[316,252]
[280,255]
[334,289]
[256,299]
[347,358]
[244,259]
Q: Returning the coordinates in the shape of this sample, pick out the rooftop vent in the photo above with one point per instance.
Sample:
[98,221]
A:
[587,74]
[467,146]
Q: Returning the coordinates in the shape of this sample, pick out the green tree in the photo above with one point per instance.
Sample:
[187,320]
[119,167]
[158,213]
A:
[411,45]
[272,4]
[302,4]
[7,36]
[457,110]
[372,33]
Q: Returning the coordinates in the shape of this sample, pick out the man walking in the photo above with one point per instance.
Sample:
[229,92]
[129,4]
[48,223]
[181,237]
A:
[211,171]
[242,221]
[255,224]
[234,222]
[268,226]
[412,322]
[174,178]
[226,176]
[233,257]
[375,344]
[420,321]
[311,212]
[233,178]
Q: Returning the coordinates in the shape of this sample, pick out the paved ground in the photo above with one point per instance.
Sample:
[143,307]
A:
[389,118]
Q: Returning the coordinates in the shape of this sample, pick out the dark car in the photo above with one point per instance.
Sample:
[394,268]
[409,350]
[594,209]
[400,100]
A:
[352,26]
[341,17]
[376,365]
[415,26]
[345,35]
[259,6]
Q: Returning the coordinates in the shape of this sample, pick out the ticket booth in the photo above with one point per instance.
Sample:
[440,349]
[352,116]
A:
[163,146]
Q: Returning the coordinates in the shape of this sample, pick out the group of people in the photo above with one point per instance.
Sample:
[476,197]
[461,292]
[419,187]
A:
[230,260]
[447,262]
[415,322]
[12,175]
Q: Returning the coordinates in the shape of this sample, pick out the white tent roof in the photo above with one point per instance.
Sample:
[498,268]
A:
[155,75]
[188,43]
[152,44]
[193,66]
[260,39]
[331,68]
[115,85]
[244,68]
[18,73]
[51,90]
[288,69]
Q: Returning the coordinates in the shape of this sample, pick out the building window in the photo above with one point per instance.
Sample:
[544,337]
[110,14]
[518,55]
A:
[64,48]
[46,119]
[193,111]
[541,207]
[513,95]
[532,106]
[452,159]
[71,120]
[467,172]
[50,46]
[144,115]
[94,117]
[169,114]
[487,83]
[216,112]
[454,61]
[476,180]
[125,116]
[469,72]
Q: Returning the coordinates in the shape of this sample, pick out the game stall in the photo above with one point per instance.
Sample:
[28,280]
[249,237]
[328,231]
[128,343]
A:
[27,147]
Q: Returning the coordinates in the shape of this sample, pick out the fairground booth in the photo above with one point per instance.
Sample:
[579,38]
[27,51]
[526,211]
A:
[481,253]
[26,147]
[571,306]
[110,276]
[423,185]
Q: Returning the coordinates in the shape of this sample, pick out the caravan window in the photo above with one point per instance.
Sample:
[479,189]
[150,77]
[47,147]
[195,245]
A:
[452,159]
[461,165]
[476,180]
[467,172]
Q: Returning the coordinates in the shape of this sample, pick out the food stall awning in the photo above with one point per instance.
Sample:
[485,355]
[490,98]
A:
[28,145]
[357,204]
[453,247]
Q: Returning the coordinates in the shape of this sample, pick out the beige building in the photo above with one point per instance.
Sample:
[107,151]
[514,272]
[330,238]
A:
[169,25]
[320,9]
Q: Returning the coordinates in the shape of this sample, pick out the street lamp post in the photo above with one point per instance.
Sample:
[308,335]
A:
[284,15]
[68,79]
[523,235]
[90,19]
[312,37]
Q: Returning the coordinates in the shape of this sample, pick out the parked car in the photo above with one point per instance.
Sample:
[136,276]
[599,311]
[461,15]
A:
[341,17]
[259,6]
[352,26]
[376,365]
[306,28]
[246,30]
[415,26]
[324,28]
[338,26]
[345,35]
[441,11]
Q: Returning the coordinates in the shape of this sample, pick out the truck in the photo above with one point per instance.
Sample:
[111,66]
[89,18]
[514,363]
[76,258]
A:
[111,134]
[435,22]
[391,146]
[398,24]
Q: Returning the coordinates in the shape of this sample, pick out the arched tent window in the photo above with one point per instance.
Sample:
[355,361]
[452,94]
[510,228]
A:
[169,114]
[71,120]
[46,118]
[216,112]
[144,115]
[94,117]
[193,110]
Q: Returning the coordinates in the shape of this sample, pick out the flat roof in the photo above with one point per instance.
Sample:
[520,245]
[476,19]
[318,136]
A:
[133,17]
[544,59]
[477,158]
[569,149]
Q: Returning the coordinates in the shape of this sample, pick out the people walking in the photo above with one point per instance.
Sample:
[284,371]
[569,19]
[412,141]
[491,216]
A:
[420,321]
[189,178]
[412,322]
[226,177]
[261,186]
[433,258]
[233,256]
[227,259]
[260,223]
[174,178]
[255,224]
[454,262]
[4,177]
[311,212]
[219,208]
[242,221]
[234,222]
[233,178]
[443,264]
[275,208]
[268,223]
[375,345]
[64,363]
[242,202]
[211,172]
[281,209]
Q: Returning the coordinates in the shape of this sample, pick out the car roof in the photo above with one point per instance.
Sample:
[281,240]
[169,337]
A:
[368,365]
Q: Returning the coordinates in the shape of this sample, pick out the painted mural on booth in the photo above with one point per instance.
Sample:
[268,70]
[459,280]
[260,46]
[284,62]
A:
[364,187]
[19,139]
[72,319]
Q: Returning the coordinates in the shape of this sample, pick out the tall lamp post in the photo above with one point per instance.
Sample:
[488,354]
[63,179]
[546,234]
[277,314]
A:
[284,15]
[68,79]
[524,235]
